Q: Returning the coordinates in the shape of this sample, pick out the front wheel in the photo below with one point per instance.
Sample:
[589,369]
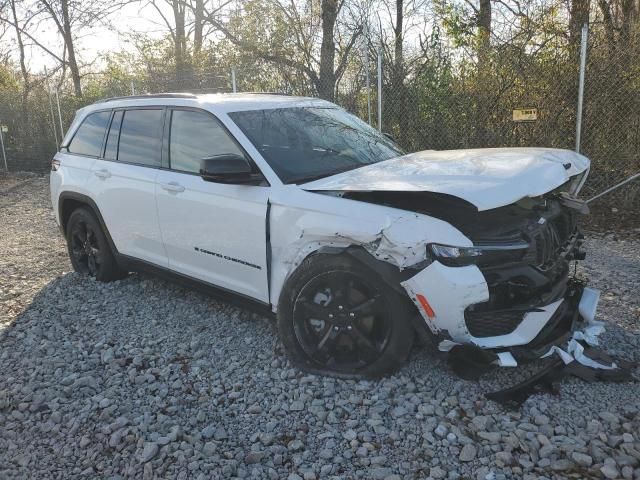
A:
[336,316]
[88,248]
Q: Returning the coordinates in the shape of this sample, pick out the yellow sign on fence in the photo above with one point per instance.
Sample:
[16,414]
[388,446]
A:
[525,114]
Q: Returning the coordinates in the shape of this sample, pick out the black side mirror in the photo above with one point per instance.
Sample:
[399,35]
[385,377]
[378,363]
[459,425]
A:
[228,168]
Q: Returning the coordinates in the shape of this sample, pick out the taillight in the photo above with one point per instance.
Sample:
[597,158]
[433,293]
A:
[55,164]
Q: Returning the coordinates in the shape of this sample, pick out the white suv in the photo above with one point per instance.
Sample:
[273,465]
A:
[300,207]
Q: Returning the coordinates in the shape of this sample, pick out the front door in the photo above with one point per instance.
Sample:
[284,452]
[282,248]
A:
[212,232]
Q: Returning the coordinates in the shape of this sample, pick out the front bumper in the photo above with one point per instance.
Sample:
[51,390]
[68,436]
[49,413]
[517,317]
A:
[450,291]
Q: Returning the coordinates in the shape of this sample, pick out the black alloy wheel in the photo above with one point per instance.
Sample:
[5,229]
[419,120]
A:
[336,316]
[85,248]
[89,250]
[341,321]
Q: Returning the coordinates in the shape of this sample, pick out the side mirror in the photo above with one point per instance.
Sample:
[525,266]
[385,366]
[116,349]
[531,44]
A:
[228,168]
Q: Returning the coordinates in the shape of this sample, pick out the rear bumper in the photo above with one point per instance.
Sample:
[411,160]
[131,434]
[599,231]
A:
[449,292]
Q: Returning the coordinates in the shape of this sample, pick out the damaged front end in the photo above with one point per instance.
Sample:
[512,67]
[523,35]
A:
[513,292]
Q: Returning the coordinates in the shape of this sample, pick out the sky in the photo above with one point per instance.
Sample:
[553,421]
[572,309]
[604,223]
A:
[91,44]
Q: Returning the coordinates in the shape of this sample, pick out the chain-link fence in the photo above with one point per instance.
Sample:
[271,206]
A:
[445,101]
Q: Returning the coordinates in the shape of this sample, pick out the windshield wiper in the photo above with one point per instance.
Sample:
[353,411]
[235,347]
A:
[311,178]
[318,176]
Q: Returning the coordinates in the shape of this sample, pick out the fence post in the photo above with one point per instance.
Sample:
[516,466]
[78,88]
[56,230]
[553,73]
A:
[583,66]
[365,54]
[133,88]
[233,79]
[59,114]
[379,90]
[53,116]
[4,155]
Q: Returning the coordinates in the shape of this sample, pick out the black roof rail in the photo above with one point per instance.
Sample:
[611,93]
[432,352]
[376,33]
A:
[149,95]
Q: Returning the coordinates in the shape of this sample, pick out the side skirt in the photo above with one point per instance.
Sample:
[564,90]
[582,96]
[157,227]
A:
[132,264]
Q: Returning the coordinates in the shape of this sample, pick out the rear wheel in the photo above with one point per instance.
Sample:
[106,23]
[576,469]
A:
[88,248]
[338,317]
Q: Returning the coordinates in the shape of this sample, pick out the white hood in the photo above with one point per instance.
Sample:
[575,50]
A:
[487,178]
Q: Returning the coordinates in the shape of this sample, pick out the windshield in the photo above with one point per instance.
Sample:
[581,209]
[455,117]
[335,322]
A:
[307,143]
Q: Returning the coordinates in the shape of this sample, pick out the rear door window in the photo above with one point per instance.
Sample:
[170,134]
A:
[90,135]
[141,137]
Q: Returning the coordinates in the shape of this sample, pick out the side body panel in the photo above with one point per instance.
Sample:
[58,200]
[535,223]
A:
[125,195]
[215,232]
[72,176]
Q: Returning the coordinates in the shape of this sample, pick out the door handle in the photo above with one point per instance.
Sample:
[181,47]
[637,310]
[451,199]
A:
[172,187]
[102,173]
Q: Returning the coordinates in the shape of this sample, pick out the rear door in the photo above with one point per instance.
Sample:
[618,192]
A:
[212,232]
[123,182]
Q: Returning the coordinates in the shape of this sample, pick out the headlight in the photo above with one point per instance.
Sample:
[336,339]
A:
[453,256]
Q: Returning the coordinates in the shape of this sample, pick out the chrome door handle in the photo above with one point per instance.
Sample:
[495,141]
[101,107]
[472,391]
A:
[172,187]
[102,173]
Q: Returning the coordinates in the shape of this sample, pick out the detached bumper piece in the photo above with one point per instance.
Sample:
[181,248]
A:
[548,379]
[572,337]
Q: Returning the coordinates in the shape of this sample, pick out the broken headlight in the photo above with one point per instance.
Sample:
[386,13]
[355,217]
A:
[453,256]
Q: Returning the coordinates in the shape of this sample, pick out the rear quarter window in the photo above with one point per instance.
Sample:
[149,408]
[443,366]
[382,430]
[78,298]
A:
[90,135]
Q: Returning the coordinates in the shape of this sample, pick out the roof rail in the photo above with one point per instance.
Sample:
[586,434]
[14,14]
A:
[148,95]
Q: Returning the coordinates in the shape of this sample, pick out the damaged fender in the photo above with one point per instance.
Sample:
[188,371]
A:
[391,235]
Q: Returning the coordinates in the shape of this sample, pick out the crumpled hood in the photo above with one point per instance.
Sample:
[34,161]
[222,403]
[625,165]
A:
[487,178]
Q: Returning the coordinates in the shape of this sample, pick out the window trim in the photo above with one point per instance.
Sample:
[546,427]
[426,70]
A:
[169,119]
[104,137]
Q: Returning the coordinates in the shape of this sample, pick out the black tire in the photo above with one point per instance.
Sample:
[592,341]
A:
[372,342]
[89,249]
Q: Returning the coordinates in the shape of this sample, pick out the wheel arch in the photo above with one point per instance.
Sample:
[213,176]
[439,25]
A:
[69,201]
[390,274]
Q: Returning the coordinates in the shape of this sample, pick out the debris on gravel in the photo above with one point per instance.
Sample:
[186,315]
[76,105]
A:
[140,378]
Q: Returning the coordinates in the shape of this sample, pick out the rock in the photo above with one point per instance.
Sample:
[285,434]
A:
[220,434]
[253,457]
[491,437]
[441,431]
[209,449]
[150,450]
[295,445]
[437,473]
[350,435]
[505,459]
[561,465]
[609,471]
[468,453]
[582,459]
[209,431]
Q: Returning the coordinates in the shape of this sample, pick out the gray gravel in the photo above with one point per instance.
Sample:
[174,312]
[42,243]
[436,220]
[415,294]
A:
[141,378]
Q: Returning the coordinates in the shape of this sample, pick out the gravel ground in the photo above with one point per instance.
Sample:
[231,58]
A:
[141,378]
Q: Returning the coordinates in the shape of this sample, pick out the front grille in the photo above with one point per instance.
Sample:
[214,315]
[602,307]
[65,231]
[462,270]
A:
[538,278]
[492,324]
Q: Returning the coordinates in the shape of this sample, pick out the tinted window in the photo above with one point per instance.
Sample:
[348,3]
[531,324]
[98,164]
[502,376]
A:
[111,150]
[305,143]
[194,136]
[88,139]
[141,137]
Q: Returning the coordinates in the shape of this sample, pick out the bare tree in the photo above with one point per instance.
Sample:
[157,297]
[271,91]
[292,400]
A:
[321,48]
[71,18]
[26,83]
